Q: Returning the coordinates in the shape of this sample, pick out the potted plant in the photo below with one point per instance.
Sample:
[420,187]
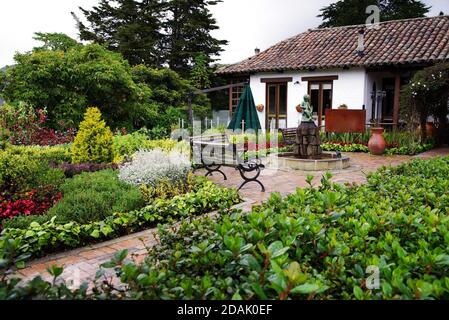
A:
[377,143]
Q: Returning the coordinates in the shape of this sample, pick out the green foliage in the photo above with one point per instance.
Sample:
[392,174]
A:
[23,169]
[67,82]
[93,143]
[353,147]
[127,145]
[411,149]
[351,12]
[52,236]
[168,96]
[138,37]
[316,243]
[313,244]
[55,41]
[51,154]
[156,32]
[166,189]
[94,196]
[427,95]
[199,76]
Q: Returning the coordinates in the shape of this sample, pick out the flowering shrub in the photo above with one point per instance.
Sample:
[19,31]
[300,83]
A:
[149,167]
[26,126]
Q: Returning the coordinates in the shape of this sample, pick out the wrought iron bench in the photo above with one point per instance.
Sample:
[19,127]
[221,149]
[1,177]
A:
[212,152]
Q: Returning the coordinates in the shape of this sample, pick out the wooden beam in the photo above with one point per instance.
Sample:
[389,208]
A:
[397,99]
[324,78]
[276,80]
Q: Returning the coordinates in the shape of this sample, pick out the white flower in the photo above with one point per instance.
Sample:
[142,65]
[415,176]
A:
[149,167]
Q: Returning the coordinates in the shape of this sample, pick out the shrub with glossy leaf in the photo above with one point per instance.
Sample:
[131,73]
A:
[93,143]
[314,244]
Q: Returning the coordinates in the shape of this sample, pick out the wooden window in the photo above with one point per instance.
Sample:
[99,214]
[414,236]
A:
[235,94]
[320,93]
[276,102]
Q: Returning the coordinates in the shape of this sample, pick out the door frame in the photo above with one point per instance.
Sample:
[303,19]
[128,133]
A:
[321,82]
[276,84]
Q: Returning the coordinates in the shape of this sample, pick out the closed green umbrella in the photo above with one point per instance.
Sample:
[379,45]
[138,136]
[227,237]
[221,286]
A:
[246,111]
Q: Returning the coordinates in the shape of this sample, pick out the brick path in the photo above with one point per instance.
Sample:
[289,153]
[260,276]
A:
[82,264]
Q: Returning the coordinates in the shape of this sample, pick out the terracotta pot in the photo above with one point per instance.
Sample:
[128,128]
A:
[260,107]
[377,144]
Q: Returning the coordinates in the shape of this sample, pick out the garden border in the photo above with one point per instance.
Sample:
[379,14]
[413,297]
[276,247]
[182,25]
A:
[141,234]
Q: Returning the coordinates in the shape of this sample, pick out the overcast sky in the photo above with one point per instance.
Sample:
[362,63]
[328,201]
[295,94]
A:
[246,24]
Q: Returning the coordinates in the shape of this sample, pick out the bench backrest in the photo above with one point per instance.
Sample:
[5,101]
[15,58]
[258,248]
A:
[215,149]
[289,135]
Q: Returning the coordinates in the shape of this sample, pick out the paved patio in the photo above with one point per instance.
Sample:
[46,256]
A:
[82,264]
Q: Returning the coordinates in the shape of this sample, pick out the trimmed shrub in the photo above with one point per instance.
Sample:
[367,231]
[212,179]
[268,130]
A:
[93,143]
[94,196]
[51,154]
[150,167]
[22,170]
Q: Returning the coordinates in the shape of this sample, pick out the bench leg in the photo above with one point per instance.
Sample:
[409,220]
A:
[253,179]
[211,170]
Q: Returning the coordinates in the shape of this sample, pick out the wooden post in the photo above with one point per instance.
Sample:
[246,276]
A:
[397,100]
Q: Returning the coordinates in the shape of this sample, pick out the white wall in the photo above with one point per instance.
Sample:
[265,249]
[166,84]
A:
[349,89]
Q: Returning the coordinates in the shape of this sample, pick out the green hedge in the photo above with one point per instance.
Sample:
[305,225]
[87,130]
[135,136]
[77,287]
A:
[354,147]
[39,239]
[317,243]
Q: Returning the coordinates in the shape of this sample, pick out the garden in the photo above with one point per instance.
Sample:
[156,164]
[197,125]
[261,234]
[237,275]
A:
[313,244]
[86,156]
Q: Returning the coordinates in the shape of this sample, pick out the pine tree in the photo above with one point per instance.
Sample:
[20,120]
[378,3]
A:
[130,27]
[200,75]
[351,12]
[155,32]
[188,30]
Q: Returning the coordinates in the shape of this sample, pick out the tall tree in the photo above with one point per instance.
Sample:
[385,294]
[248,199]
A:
[130,27]
[350,12]
[155,32]
[188,27]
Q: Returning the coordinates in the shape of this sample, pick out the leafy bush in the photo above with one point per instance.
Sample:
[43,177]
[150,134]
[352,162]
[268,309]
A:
[149,167]
[95,196]
[22,170]
[52,236]
[27,126]
[127,145]
[93,143]
[313,244]
[344,147]
[166,189]
[316,243]
[50,154]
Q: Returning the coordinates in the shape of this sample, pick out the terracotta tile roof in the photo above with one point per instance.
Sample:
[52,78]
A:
[421,40]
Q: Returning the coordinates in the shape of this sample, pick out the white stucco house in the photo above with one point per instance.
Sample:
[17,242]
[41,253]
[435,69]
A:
[362,68]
